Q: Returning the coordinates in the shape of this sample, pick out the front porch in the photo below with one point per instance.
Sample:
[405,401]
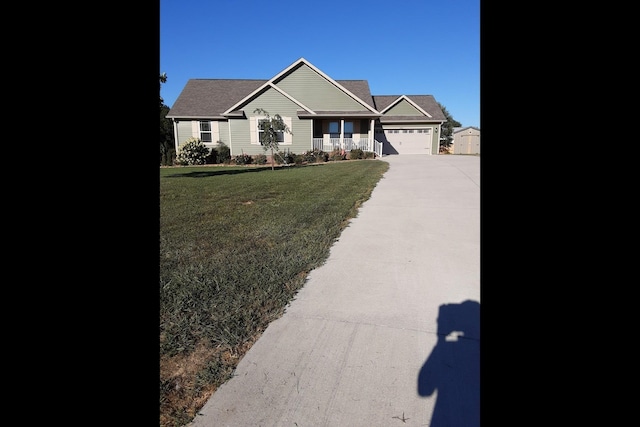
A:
[329,144]
[345,131]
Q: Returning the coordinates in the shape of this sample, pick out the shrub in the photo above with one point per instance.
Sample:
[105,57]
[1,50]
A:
[223,153]
[243,159]
[337,154]
[260,159]
[168,158]
[356,153]
[285,157]
[192,152]
[212,157]
[315,156]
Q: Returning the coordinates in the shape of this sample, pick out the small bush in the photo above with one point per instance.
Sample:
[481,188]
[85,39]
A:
[243,159]
[212,157]
[260,159]
[369,155]
[315,156]
[168,158]
[337,154]
[192,152]
[224,153]
[356,153]
[285,158]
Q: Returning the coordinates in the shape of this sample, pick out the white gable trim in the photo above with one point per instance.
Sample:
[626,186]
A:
[339,86]
[286,70]
[417,107]
[292,99]
[461,129]
[246,98]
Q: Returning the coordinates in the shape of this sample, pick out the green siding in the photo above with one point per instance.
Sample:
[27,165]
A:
[316,92]
[274,103]
[403,108]
[224,133]
[184,131]
[435,141]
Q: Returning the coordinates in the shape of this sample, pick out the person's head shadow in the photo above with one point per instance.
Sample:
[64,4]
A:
[453,367]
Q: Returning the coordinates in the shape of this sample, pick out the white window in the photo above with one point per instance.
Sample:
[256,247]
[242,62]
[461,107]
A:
[205,131]
[255,133]
[279,134]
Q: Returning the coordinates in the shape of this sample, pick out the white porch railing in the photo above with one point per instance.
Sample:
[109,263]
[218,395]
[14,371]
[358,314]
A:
[348,144]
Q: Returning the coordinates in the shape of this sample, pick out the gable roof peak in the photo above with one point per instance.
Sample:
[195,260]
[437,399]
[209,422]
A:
[273,81]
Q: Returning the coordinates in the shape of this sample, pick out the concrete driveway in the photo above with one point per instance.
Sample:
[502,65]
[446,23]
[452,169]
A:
[387,332]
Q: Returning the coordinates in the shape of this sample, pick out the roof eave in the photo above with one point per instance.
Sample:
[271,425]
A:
[190,117]
[417,119]
[235,114]
[321,114]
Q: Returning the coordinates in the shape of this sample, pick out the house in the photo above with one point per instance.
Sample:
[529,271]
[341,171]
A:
[466,140]
[322,113]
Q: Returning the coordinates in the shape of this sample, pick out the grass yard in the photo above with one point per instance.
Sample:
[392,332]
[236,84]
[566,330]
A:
[236,244]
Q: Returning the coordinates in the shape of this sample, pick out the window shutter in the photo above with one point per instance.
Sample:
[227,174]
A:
[216,131]
[253,130]
[195,128]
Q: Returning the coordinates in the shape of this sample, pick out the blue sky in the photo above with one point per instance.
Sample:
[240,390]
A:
[409,47]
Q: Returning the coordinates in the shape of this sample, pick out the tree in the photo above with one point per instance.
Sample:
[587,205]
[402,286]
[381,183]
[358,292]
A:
[446,131]
[271,129]
[163,79]
[167,150]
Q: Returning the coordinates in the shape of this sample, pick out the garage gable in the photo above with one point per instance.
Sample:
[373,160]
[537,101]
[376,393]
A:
[403,106]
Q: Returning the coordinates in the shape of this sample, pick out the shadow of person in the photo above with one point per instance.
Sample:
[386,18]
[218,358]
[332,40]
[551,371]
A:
[453,367]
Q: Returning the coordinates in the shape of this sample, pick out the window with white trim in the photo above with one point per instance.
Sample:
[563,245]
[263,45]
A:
[205,131]
[279,134]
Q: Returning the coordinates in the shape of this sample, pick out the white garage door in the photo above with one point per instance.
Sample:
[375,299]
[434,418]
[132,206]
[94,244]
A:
[409,140]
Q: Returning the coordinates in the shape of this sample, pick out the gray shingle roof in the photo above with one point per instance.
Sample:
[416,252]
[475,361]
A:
[209,98]
[426,102]
[359,88]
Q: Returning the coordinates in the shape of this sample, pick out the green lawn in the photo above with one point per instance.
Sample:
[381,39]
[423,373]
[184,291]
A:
[236,244]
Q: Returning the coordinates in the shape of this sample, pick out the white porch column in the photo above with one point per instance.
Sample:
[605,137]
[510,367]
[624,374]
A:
[372,134]
[342,133]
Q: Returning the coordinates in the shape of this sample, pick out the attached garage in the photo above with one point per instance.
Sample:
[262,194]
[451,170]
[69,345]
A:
[408,140]
[409,124]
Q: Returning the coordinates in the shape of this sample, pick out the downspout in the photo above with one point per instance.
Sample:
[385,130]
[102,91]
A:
[229,131]
[175,134]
